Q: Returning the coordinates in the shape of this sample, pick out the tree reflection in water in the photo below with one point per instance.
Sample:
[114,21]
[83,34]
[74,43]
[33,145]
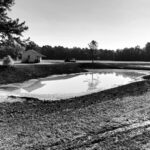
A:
[93,81]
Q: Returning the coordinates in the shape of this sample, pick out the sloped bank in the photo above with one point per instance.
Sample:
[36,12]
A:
[115,118]
[23,72]
[116,65]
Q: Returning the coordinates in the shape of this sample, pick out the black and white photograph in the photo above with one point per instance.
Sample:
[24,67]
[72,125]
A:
[75,75]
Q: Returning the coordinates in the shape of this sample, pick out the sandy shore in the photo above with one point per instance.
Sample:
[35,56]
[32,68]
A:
[113,119]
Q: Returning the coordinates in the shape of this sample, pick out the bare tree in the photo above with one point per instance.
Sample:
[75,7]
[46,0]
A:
[93,45]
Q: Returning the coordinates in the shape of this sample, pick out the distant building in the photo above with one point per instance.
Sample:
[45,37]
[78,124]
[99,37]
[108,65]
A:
[31,56]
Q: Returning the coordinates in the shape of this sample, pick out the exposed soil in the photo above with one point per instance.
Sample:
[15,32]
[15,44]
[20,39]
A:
[115,119]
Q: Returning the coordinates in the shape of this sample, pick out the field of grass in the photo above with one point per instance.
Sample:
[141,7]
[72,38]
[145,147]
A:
[96,61]
[106,64]
[100,61]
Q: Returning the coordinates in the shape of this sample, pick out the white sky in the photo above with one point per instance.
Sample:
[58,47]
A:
[112,23]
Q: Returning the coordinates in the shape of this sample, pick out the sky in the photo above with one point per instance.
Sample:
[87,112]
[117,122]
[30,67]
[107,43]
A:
[114,24]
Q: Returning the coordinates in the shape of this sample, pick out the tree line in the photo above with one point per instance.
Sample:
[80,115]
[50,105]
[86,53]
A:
[126,54]
[61,53]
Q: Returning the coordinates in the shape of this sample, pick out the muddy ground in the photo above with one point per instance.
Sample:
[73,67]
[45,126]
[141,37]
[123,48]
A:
[116,119]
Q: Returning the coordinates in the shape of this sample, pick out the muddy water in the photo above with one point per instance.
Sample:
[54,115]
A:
[67,86]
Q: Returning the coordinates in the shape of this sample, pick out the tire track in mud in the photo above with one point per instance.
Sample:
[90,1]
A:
[111,134]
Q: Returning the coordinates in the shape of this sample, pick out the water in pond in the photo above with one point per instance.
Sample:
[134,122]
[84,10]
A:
[66,86]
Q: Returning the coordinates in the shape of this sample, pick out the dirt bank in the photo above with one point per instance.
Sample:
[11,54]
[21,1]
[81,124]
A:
[114,65]
[20,73]
[114,119]
[23,72]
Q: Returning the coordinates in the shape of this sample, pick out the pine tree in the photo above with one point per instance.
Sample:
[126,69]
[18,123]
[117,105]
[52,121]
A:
[10,30]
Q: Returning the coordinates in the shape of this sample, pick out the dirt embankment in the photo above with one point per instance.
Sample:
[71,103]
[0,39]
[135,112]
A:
[116,65]
[114,119]
[23,72]
[20,73]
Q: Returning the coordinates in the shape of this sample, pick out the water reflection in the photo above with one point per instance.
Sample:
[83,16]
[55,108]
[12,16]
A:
[92,82]
[65,86]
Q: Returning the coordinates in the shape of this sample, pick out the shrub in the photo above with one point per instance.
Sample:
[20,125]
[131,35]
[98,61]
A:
[8,61]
